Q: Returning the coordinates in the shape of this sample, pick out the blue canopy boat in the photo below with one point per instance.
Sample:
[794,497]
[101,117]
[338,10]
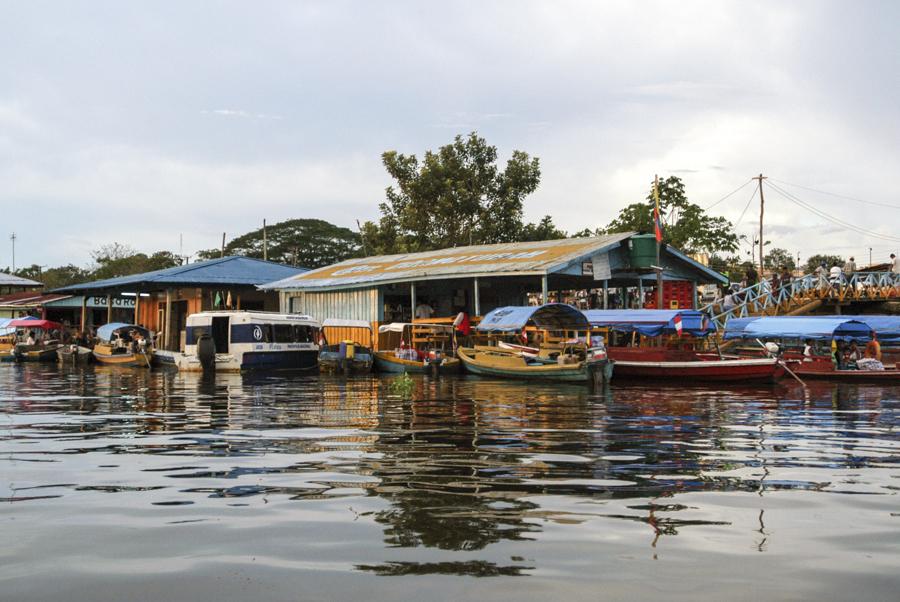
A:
[565,354]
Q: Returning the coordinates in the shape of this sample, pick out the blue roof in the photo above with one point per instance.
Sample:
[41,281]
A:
[553,316]
[796,327]
[886,327]
[650,322]
[224,272]
[106,331]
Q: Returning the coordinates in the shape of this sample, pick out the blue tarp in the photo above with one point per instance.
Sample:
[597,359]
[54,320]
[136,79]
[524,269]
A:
[3,329]
[106,331]
[650,322]
[223,272]
[796,327]
[553,316]
[886,327]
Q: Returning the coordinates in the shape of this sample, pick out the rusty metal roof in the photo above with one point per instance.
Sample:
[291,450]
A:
[508,259]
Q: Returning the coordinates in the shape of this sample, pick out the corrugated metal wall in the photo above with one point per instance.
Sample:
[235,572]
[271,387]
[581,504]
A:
[354,304]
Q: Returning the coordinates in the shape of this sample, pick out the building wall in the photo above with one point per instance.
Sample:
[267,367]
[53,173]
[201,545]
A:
[354,304]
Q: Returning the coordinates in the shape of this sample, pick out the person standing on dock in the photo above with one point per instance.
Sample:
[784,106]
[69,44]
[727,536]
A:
[849,267]
[895,264]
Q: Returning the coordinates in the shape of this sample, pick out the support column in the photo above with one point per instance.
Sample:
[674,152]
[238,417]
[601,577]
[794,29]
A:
[624,292]
[694,298]
[544,287]
[84,313]
[137,308]
[606,294]
[167,319]
[641,293]
[412,301]
[108,309]
[477,298]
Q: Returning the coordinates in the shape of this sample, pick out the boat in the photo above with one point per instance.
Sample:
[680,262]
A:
[415,348]
[786,336]
[121,344]
[241,340]
[566,352]
[74,354]
[45,334]
[7,340]
[350,354]
[669,330]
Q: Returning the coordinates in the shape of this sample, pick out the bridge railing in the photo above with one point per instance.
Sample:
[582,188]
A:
[762,297]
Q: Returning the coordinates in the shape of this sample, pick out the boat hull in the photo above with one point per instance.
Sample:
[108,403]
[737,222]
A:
[125,360]
[890,375]
[77,355]
[386,361]
[514,366]
[755,370]
[32,354]
[296,360]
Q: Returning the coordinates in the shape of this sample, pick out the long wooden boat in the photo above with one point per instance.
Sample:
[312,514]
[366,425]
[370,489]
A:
[74,354]
[416,348]
[687,367]
[388,361]
[493,361]
[823,368]
[119,346]
[35,353]
[111,356]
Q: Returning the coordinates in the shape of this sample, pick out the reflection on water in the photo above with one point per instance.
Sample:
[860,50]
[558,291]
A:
[116,479]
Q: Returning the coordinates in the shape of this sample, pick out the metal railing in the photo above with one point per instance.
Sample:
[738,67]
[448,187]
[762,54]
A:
[762,299]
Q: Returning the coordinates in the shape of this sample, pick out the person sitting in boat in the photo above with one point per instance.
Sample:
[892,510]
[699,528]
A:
[807,351]
[852,356]
[873,349]
[29,340]
[837,354]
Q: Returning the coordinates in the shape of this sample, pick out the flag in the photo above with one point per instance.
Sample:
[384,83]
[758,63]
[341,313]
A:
[677,322]
[657,222]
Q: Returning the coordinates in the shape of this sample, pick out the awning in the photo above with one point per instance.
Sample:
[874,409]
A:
[34,323]
[553,316]
[796,327]
[340,323]
[107,331]
[651,322]
[886,327]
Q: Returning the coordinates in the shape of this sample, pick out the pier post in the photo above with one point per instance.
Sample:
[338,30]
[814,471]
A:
[108,309]
[412,301]
[640,293]
[544,287]
[606,294]
[84,313]
[477,298]
[137,307]
[167,318]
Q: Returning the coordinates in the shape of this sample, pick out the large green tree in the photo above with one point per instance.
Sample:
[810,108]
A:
[57,277]
[686,226]
[777,259]
[456,196]
[310,243]
[117,260]
[823,259]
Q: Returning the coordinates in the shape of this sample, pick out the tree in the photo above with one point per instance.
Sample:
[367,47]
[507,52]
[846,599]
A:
[686,226]
[311,243]
[456,196]
[543,230]
[54,278]
[117,260]
[778,259]
[827,260]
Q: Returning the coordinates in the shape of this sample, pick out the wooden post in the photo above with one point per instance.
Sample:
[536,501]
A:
[167,318]
[137,307]
[222,254]
[84,313]
[266,244]
[694,289]
[640,293]
[238,301]
[544,287]
[108,309]
[606,294]
[477,298]
[762,207]
[412,301]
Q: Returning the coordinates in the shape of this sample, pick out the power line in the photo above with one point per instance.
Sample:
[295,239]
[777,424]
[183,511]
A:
[747,206]
[840,196]
[728,195]
[858,229]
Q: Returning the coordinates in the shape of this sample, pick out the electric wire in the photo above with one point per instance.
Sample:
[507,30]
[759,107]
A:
[747,206]
[835,220]
[839,196]
[728,195]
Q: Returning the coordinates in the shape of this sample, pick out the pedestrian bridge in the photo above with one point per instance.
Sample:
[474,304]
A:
[806,294]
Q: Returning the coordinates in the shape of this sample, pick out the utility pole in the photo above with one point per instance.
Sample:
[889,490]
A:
[222,254]
[265,243]
[762,207]
[870,257]
[659,269]
[12,237]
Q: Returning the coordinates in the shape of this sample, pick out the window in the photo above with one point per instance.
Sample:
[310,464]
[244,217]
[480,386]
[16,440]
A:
[283,333]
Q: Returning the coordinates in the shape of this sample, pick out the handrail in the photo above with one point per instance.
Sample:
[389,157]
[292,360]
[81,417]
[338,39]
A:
[760,298]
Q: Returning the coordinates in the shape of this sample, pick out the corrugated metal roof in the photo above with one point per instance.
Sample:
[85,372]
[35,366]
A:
[28,299]
[10,280]
[509,259]
[225,271]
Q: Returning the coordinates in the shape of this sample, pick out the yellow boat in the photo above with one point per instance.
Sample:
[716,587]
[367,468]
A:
[415,348]
[123,345]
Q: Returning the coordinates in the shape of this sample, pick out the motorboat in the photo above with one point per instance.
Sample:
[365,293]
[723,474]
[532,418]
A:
[416,348]
[346,347]
[125,345]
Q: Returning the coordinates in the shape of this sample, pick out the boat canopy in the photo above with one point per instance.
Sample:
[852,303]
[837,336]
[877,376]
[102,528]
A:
[4,326]
[107,331]
[401,326]
[797,327]
[34,323]
[886,327]
[342,323]
[553,316]
[651,322]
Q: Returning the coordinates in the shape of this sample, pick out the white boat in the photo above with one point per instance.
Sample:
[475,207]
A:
[245,340]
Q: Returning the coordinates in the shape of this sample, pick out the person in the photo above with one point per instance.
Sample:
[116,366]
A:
[849,267]
[30,339]
[852,355]
[807,351]
[728,302]
[820,271]
[786,276]
[895,264]
[462,328]
[837,354]
[776,281]
[424,311]
[752,276]
[873,349]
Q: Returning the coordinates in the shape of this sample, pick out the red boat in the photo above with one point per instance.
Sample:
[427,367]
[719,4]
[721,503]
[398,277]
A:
[823,368]
[688,366]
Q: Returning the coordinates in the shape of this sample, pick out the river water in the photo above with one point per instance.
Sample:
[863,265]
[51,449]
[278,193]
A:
[138,485]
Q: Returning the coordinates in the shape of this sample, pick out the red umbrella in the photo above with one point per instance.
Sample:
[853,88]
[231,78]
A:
[29,323]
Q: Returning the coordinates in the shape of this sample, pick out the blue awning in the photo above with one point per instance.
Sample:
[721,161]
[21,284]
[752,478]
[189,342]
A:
[553,316]
[106,331]
[796,327]
[650,322]
[886,327]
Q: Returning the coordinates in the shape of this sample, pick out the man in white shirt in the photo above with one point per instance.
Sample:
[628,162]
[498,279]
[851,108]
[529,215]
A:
[424,311]
[895,264]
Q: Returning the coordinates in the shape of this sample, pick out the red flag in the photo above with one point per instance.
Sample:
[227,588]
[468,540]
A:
[657,222]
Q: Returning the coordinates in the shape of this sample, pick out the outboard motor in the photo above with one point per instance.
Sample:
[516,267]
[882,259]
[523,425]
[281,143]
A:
[206,352]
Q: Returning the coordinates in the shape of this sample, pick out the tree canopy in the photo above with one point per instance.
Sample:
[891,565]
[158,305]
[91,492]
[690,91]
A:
[777,259]
[827,260]
[310,243]
[686,226]
[456,196]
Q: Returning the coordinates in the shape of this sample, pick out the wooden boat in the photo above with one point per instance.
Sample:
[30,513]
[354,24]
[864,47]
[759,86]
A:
[688,327]
[348,356]
[565,354]
[74,355]
[823,368]
[45,334]
[416,349]
[35,353]
[123,345]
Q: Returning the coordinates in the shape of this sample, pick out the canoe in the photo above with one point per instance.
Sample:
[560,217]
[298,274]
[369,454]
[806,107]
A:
[109,356]
[685,367]
[74,354]
[492,361]
[387,361]
[823,368]
[35,353]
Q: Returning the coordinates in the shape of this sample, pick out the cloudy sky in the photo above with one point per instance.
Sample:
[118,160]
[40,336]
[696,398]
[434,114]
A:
[139,122]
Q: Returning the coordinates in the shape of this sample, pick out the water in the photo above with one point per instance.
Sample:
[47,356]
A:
[126,484]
